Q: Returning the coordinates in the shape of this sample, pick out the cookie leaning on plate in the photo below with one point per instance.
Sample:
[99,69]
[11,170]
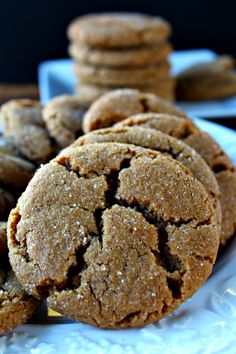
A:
[127,252]
[16,305]
[208,148]
[118,30]
[208,81]
[117,105]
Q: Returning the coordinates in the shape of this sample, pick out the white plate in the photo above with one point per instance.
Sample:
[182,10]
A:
[205,324]
[56,77]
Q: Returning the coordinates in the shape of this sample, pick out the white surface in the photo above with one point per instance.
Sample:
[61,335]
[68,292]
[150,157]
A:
[56,77]
[205,324]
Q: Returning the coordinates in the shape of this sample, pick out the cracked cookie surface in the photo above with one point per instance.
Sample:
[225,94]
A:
[209,149]
[117,105]
[158,141]
[113,235]
[16,305]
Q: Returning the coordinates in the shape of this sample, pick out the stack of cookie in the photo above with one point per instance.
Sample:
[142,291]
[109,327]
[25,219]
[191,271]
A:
[121,50]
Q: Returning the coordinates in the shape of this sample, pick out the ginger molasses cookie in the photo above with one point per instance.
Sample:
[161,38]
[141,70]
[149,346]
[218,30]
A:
[118,30]
[117,57]
[158,141]
[134,234]
[89,93]
[14,171]
[208,81]
[24,127]
[7,202]
[16,305]
[209,149]
[139,76]
[120,104]
[6,147]
[63,118]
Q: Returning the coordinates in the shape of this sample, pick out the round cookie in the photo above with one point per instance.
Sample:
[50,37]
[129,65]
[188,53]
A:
[134,231]
[209,149]
[16,305]
[7,202]
[63,118]
[118,30]
[7,148]
[120,104]
[207,81]
[15,171]
[90,93]
[24,127]
[126,57]
[139,76]
[158,141]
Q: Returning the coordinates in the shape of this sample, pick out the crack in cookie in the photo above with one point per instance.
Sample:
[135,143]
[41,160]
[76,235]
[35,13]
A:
[112,233]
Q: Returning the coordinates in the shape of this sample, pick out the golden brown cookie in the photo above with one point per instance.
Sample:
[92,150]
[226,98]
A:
[135,235]
[118,30]
[63,118]
[120,104]
[16,305]
[15,171]
[207,81]
[158,141]
[139,76]
[24,127]
[7,202]
[6,147]
[89,93]
[117,57]
[209,149]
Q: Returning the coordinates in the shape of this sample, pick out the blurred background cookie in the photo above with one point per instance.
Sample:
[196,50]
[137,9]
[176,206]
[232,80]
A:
[63,118]
[207,81]
[121,50]
[24,127]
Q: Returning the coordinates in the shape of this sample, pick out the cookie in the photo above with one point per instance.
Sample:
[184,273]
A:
[90,93]
[16,305]
[7,202]
[135,235]
[208,148]
[24,127]
[158,141]
[63,118]
[6,147]
[125,57]
[207,81]
[15,171]
[147,75]
[110,30]
[120,104]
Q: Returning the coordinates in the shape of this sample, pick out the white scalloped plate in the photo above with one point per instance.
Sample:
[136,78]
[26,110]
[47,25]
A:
[204,324]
